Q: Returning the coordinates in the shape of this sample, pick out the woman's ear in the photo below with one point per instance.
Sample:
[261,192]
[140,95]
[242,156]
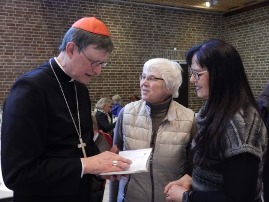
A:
[169,91]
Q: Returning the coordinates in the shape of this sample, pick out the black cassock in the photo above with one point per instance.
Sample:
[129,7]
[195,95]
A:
[40,155]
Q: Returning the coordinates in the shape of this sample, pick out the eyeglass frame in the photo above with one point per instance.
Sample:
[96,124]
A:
[151,78]
[196,74]
[94,64]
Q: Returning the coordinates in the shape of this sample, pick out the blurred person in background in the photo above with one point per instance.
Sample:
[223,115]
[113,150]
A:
[263,104]
[104,143]
[103,116]
[102,140]
[116,107]
[134,98]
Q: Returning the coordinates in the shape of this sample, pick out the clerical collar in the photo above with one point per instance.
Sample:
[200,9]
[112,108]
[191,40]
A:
[59,64]
[77,127]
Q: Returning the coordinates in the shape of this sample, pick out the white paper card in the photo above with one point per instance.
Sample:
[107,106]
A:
[139,158]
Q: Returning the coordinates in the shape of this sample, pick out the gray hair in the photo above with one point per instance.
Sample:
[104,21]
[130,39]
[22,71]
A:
[84,38]
[116,99]
[101,103]
[169,70]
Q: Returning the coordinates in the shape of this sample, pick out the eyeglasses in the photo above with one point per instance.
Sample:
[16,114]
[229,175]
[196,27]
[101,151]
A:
[149,78]
[196,74]
[94,63]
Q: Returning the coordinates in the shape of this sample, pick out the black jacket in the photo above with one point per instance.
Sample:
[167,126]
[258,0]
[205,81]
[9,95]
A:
[39,153]
[263,104]
[103,122]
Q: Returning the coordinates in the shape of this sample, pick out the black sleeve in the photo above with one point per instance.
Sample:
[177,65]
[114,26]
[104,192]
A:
[103,123]
[263,105]
[26,166]
[188,163]
[263,109]
[240,175]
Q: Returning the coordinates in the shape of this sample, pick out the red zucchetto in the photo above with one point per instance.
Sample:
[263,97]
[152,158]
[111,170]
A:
[93,25]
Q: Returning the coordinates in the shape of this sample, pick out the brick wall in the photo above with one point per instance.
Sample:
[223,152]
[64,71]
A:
[249,33]
[31,32]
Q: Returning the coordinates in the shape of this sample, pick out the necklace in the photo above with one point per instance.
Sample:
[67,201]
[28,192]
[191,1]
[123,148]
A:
[78,129]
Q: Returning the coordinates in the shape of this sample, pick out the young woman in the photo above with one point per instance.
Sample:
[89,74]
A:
[228,150]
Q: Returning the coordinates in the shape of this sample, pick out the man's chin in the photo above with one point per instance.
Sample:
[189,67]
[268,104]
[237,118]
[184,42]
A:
[85,81]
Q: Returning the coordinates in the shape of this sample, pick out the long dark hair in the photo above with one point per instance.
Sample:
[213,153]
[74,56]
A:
[229,91]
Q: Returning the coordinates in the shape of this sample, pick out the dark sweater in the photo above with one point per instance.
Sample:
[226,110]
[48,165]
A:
[263,104]
[238,176]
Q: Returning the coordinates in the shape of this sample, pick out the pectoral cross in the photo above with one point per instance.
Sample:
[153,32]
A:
[82,145]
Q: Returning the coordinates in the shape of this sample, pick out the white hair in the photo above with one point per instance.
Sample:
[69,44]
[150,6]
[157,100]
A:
[101,103]
[169,70]
[116,99]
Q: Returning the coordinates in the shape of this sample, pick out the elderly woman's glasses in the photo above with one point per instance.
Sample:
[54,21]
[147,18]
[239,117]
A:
[196,74]
[143,77]
[94,63]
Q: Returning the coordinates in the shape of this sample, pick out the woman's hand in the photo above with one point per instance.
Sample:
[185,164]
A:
[184,181]
[175,193]
[175,189]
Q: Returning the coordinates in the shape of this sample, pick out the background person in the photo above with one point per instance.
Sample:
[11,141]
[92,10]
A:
[116,107]
[103,116]
[159,122]
[228,151]
[104,143]
[263,104]
[134,98]
[48,153]
[102,140]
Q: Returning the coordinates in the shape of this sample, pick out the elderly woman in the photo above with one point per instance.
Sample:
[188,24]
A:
[116,107]
[159,122]
[102,115]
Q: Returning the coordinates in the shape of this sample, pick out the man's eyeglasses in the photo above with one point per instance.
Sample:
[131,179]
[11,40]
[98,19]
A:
[94,63]
[149,78]
[196,74]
